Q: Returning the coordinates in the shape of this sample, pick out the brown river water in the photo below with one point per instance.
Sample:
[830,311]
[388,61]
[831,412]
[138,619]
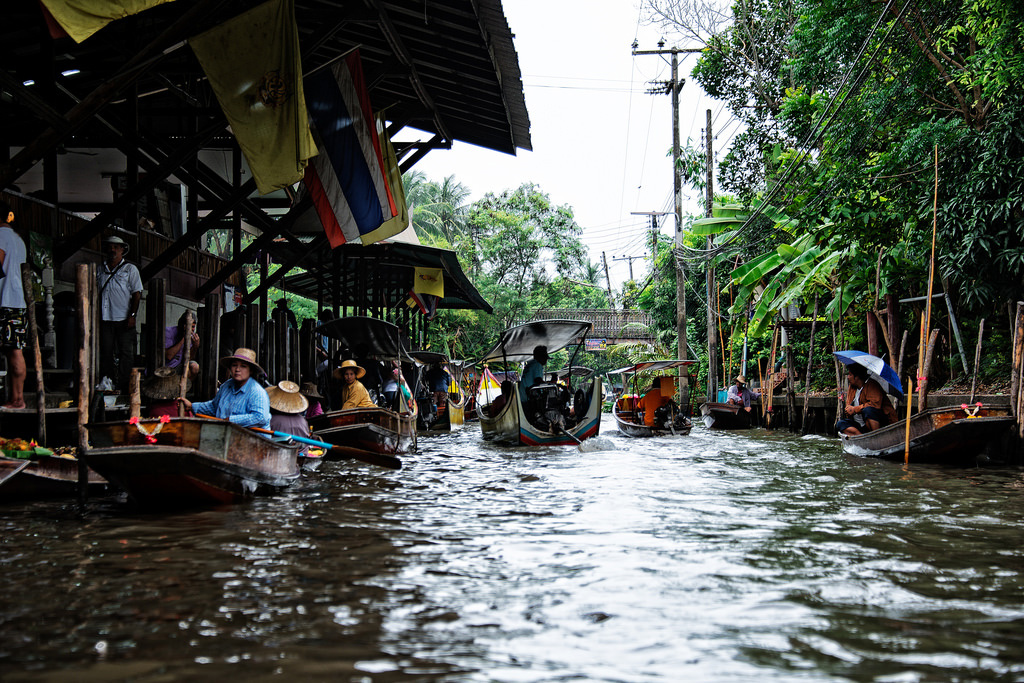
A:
[745,556]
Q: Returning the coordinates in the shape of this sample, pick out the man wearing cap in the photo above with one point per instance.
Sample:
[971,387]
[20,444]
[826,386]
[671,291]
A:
[353,393]
[120,292]
[739,394]
[240,399]
[12,306]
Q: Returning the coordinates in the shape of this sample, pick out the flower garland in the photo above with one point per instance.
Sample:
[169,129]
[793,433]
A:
[150,434]
[971,412]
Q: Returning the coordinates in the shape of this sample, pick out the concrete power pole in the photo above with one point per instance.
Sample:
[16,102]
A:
[608,280]
[712,312]
[673,87]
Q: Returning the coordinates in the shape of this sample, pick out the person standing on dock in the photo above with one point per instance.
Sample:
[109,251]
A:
[120,288]
[241,399]
[12,306]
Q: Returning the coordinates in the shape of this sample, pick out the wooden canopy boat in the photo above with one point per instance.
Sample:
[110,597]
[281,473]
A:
[45,476]
[725,416]
[950,435]
[378,429]
[668,420]
[451,414]
[505,418]
[188,461]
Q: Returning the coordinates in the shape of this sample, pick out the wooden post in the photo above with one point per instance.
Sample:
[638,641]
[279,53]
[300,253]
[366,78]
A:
[209,351]
[134,394]
[771,380]
[790,387]
[37,358]
[1018,360]
[977,359]
[186,349]
[83,285]
[156,323]
[806,429]
[872,333]
[922,403]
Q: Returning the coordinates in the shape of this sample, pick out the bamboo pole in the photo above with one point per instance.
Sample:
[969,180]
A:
[186,355]
[83,280]
[134,394]
[1018,359]
[806,428]
[935,225]
[910,402]
[37,357]
[771,381]
[903,352]
[977,359]
[921,344]
[922,403]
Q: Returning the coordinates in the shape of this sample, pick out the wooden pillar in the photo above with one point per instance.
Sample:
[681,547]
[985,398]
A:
[872,333]
[892,320]
[254,325]
[37,357]
[209,349]
[85,277]
[156,322]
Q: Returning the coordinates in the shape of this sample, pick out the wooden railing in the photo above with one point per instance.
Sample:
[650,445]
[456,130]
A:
[609,323]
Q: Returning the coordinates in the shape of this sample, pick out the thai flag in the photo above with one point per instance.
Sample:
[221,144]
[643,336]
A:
[347,179]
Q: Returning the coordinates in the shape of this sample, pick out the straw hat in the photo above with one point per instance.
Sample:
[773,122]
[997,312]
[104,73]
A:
[741,379]
[243,354]
[285,398]
[164,384]
[114,239]
[309,390]
[340,372]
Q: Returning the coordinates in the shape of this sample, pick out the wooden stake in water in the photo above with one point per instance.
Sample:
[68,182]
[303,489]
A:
[910,402]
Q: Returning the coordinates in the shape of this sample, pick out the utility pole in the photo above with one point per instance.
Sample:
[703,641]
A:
[673,87]
[711,289]
[608,280]
[654,230]
[630,259]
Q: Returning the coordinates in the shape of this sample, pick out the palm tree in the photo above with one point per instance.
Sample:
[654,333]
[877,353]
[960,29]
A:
[438,210]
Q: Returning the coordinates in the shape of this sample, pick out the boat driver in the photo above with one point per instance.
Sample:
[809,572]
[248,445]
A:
[867,406]
[533,372]
[241,399]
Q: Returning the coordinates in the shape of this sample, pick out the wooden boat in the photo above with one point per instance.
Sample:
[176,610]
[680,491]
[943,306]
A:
[45,476]
[433,418]
[950,435]
[725,416]
[629,417]
[376,430]
[188,461]
[504,420]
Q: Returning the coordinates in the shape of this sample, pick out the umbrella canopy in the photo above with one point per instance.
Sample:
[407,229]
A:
[517,343]
[878,369]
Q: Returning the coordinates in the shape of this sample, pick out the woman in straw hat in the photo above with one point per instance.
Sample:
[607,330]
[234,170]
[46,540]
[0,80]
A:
[353,393]
[287,408]
[313,396]
[161,389]
[240,399]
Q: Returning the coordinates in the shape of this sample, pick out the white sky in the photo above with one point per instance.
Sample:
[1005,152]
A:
[601,143]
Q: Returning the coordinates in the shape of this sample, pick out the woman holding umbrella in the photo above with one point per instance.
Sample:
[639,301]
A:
[867,405]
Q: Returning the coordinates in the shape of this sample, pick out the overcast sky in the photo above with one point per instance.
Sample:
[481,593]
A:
[601,143]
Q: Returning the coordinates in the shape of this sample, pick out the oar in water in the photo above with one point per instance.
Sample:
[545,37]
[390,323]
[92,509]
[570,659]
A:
[379,459]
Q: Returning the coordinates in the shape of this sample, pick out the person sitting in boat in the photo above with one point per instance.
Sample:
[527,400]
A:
[867,405]
[651,401]
[241,399]
[740,395]
[498,404]
[174,345]
[533,372]
[314,398]
[161,389]
[353,393]
[287,411]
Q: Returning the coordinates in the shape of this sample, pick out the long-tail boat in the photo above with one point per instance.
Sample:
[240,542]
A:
[434,417]
[953,435]
[505,418]
[668,420]
[190,461]
[45,476]
[377,429]
[725,416]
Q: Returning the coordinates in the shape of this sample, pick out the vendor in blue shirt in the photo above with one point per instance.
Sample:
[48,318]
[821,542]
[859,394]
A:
[241,399]
[533,372]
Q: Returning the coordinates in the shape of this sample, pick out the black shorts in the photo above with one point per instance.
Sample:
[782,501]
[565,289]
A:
[12,328]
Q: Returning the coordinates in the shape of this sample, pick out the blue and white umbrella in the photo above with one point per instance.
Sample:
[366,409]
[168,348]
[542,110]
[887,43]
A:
[878,369]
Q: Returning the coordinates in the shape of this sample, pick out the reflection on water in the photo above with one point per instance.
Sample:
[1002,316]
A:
[713,557]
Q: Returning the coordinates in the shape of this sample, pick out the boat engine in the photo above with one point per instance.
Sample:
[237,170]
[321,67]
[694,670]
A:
[548,407]
[669,417]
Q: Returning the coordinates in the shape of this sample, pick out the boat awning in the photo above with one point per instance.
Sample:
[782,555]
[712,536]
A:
[654,366]
[517,343]
[575,371]
[378,275]
[428,357]
[380,338]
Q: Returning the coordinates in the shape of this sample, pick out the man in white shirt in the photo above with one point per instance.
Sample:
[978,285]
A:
[12,306]
[120,289]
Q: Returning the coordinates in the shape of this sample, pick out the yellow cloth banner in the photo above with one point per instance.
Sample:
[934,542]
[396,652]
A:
[82,18]
[255,70]
[392,227]
[429,281]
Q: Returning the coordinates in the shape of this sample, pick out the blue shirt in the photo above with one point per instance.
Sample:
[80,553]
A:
[533,370]
[11,293]
[246,406]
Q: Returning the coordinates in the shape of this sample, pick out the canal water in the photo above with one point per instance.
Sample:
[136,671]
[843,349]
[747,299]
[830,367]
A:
[747,556]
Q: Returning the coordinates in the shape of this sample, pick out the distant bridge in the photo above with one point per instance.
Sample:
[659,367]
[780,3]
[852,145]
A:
[614,325]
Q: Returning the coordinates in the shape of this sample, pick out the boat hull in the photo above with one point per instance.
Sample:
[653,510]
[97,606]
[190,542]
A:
[939,435]
[628,425]
[365,430]
[511,427]
[192,462]
[725,416]
[48,476]
[451,418]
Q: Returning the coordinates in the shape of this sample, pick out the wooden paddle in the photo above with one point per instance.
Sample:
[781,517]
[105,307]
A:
[379,459]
